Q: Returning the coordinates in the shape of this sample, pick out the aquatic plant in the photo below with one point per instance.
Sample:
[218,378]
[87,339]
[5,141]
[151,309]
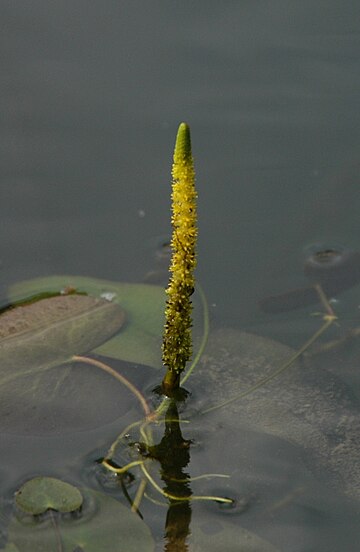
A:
[138,310]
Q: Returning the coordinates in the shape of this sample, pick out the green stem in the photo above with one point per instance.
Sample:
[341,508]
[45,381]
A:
[171,382]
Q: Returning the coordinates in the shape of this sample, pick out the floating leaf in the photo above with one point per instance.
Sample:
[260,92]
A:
[42,493]
[67,398]
[103,525]
[50,331]
[306,406]
[140,339]
[36,394]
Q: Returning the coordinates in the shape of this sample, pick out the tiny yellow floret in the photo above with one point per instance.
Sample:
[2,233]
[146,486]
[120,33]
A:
[177,343]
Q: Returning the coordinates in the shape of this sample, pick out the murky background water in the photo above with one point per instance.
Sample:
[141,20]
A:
[91,96]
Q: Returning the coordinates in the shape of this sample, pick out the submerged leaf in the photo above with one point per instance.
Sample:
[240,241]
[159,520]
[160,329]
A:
[218,534]
[42,493]
[307,407]
[103,525]
[140,339]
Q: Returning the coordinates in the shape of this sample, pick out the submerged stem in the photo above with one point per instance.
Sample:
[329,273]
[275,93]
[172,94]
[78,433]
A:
[119,377]
[176,498]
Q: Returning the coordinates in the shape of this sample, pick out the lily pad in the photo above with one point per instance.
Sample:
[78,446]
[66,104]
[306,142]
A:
[44,493]
[144,305]
[307,407]
[104,524]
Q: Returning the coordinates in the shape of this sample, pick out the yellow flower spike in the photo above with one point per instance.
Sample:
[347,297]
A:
[177,342]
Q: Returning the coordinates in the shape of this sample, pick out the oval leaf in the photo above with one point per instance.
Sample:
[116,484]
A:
[306,406]
[104,525]
[38,395]
[140,339]
[50,331]
[44,493]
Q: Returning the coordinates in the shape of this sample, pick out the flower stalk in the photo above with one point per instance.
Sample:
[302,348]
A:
[177,340]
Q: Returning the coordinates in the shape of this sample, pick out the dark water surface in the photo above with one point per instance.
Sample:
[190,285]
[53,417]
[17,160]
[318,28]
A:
[91,97]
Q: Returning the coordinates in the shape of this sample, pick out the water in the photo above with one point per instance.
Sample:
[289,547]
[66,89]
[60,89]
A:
[91,99]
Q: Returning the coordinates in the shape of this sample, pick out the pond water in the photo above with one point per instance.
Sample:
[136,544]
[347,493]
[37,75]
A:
[92,95]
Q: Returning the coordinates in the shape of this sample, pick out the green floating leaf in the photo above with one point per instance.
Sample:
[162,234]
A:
[140,339]
[42,493]
[104,525]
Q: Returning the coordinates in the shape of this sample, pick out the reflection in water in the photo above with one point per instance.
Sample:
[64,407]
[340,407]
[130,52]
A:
[173,453]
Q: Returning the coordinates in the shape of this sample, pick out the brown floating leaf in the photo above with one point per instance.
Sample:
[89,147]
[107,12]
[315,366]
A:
[36,394]
[140,340]
[50,331]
